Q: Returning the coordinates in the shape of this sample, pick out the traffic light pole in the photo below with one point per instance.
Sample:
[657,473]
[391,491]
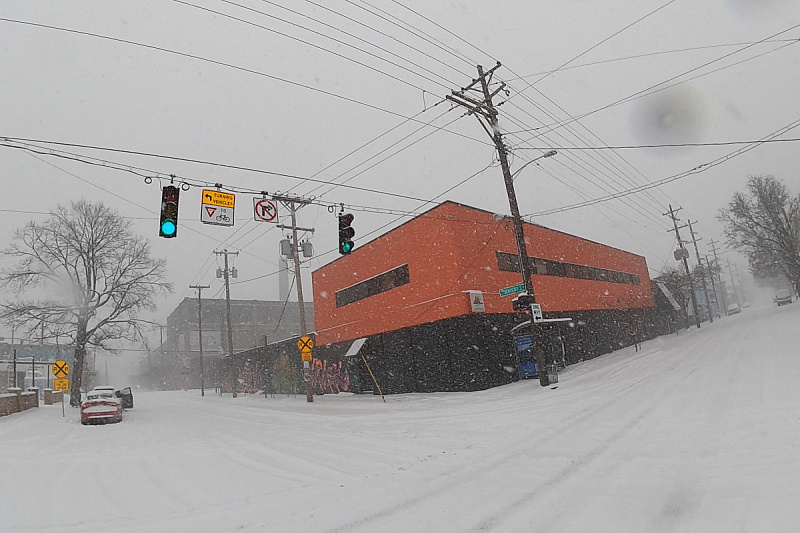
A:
[485,108]
[200,333]
[290,202]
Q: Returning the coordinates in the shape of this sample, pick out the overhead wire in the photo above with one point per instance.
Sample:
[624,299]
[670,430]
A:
[665,84]
[318,47]
[485,53]
[218,63]
[698,169]
[646,55]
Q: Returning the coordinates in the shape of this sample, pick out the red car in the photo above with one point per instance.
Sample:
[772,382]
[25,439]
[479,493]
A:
[101,406]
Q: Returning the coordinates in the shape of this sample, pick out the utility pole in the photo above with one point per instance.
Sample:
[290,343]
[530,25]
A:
[700,264]
[200,333]
[483,106]
[735,292]
[291,203]
[713,244]
[713,284]
[685,256]
[226,274]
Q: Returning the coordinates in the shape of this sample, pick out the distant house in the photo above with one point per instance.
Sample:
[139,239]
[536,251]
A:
[426,296]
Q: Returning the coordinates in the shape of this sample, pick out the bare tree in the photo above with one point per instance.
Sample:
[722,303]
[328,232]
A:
[764,224]
[90,276]
[680,286]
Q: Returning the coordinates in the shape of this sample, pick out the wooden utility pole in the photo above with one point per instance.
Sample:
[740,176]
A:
[200,333]
[226,275]
[291,203]
[685,256]
[700,264]
[482,106]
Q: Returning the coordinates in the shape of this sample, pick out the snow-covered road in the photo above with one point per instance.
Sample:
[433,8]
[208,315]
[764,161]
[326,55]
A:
[696,432]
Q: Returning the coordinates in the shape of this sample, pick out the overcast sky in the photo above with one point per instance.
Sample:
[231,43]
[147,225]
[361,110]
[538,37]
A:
[302,90]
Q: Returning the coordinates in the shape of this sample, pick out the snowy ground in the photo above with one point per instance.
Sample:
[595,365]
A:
[696,432]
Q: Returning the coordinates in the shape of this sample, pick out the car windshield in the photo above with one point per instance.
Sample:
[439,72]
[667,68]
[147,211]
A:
[100,395]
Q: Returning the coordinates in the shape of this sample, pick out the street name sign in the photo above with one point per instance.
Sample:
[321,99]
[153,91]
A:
[508,291]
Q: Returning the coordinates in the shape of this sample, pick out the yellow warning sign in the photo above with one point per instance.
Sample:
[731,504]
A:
[61,384]
[307,356]
[60,369]
[305,343]
[221,199]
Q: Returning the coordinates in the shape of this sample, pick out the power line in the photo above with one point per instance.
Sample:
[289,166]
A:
[197,182]
[663,85]
[219,63]
[606,39]
[318,47]
[696,170]
[665,145]
[649,54]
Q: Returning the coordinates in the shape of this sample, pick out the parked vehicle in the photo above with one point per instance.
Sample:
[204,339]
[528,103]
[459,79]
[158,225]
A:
[101,406]
[124,394]
[734,308]
[783,296]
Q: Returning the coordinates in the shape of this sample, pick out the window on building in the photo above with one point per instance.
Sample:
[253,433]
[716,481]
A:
[372,286]
[507,262]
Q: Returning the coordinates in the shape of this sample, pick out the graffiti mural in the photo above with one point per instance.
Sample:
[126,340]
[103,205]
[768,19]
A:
[329,378]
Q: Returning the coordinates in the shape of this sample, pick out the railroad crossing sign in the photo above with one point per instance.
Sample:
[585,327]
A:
[305,343]
[60,369]
[265,210]
[216,207]
[61,384]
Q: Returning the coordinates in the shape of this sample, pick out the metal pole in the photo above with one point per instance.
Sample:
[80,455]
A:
[15,366]
[200,333]
[700,264]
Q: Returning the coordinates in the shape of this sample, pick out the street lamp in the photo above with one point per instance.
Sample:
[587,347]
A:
[551,153]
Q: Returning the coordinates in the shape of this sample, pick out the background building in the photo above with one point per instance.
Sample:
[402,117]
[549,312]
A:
[175,363]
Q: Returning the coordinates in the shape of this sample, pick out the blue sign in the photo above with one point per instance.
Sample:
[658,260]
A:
[527,357]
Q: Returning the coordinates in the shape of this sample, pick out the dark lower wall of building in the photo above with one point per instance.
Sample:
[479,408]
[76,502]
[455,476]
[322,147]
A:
[476,352]
[465,353]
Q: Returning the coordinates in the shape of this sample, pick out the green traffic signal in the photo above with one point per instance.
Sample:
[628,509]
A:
[168,228]
[169,212]
[346,234]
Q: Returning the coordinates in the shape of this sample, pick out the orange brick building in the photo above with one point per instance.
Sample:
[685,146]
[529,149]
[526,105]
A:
[411,293]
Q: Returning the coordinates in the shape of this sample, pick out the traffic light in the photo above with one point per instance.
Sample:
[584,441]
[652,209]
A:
[169,212]
[346,233]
